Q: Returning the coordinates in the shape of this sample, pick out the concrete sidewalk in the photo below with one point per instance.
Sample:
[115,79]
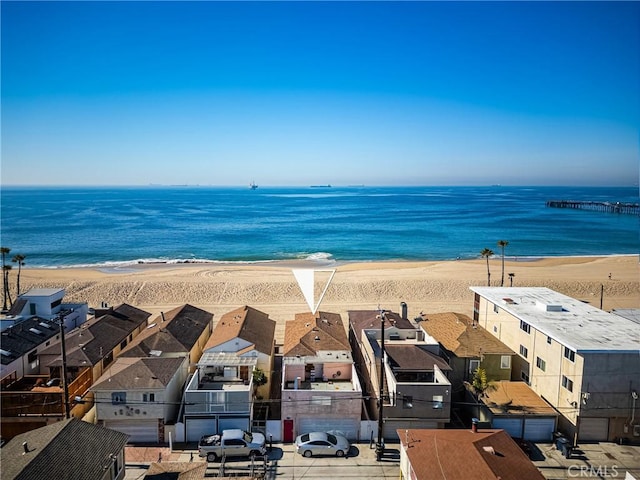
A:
[282,463]
[597,460]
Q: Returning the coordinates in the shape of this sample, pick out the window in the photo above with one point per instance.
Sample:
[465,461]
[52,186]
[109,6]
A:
[505,361]
[407,401]
[525,326]
[566,383]
[541,364]
[523,351]
[549,340]
[525,376]
[148,397]
[570,354]
[495,329]
[107,360]
[32,308]
[118,397]
[437,401]
[33,359]
[474,365]
[495,308]
[123,344]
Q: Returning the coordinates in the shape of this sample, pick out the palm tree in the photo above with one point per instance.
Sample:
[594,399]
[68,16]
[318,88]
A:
[502,244]
[486,253]
[5,251]
[19,259]
[7,295]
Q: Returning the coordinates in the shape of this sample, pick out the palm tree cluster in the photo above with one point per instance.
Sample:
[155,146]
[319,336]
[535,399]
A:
[19,258]
[486,253]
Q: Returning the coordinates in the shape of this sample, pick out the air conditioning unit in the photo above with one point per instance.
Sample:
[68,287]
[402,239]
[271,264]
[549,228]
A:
[636,430]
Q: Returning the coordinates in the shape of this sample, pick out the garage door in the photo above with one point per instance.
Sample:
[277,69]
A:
[513,426]
[593,429]
[229,423]
[539,429]
[348,427]
[139,431]
[199,427]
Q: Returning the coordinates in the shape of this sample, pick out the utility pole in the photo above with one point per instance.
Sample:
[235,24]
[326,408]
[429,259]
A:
[380,444]
[65,386]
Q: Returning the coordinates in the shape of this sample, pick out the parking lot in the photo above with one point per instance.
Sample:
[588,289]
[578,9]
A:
[598,460]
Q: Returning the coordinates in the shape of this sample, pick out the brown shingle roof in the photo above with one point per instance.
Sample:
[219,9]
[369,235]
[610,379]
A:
[176,471]
[133,373]
[461,454]
[515,398]
[361,319]
[178,332]
[248,324]
[309,333]
[456,333]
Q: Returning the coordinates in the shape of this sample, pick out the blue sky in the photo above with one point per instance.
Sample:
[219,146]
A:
[299,93]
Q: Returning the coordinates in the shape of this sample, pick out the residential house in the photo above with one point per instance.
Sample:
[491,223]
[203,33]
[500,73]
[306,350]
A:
[139,396]
[320,386]
[415,389]
[246,332]
[69,449]
[462,454]
[37,400]
[182,331]
[220,393]
[583,361]
[45,303]
[517,409]
[19,346]
[467,348]
[151,372]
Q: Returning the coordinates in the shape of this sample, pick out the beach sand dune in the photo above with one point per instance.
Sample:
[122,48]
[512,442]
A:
[425,286]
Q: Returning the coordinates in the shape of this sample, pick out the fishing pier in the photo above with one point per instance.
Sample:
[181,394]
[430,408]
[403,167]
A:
[607,207]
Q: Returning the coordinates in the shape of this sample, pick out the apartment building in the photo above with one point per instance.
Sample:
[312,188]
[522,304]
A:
[583,361]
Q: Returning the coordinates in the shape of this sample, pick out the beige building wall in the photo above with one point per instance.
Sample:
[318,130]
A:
[587,384]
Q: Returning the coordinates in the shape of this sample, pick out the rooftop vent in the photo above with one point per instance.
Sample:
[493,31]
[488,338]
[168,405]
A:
[36,331]
[5,353]
[45,325]
[549,307]
[508,301]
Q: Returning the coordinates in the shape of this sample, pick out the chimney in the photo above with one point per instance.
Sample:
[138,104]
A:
[403,307]
[26,447]
[474,425]
[296,383]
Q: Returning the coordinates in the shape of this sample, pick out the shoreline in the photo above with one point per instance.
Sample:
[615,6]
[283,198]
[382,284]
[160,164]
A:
[141,265]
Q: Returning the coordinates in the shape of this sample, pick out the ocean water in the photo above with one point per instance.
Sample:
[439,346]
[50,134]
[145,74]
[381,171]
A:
[59,227]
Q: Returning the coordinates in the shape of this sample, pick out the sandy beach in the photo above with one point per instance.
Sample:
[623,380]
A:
[425,286]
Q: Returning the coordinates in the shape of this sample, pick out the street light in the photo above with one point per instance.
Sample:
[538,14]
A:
[380,444]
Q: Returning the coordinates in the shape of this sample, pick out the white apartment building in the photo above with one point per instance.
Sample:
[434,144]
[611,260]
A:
[582,360]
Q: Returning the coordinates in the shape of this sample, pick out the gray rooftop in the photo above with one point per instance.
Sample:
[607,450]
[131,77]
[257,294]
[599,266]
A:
[223,359]
[573,323]
[43,292]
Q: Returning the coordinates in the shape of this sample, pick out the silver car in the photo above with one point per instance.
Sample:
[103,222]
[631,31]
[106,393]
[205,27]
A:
[322,443]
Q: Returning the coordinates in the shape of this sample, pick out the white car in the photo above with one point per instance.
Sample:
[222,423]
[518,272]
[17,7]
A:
[322,443]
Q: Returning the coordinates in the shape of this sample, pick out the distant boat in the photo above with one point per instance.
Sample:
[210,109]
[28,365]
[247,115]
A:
[253,185]
[321,186]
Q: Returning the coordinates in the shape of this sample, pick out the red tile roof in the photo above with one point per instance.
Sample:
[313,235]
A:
[438,454]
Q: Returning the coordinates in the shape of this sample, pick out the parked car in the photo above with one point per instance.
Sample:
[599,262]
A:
[232,443]
[322,443]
